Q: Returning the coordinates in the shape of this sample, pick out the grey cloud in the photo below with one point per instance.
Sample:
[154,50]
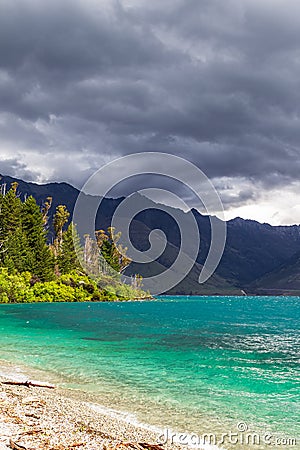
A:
[16,169]
[71,39]
[215,82]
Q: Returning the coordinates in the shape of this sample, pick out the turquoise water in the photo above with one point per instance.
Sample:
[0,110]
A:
[197,364]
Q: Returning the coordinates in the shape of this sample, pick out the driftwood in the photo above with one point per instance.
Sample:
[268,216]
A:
[16,446]
[29,384]
[76,444]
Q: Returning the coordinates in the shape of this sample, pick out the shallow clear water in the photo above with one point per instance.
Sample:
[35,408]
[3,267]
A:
[197,364]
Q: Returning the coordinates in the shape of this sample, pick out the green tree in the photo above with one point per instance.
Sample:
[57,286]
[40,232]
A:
[71,250]
[14,249]
[42,263]
[17,255]
[113,252]
[10,213]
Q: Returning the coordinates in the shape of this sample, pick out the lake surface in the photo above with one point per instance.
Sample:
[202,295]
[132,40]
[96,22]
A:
[191,364]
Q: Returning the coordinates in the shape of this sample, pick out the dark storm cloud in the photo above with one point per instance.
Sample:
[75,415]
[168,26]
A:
[216,82]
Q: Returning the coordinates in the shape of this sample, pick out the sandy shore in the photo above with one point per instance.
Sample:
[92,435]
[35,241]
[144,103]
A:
[54,419]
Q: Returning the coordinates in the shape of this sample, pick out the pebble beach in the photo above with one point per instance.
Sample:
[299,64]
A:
[57,419]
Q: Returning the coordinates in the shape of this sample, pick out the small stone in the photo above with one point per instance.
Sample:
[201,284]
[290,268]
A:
[27,400]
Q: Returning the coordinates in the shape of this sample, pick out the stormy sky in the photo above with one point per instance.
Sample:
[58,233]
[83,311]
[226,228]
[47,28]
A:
[217,82]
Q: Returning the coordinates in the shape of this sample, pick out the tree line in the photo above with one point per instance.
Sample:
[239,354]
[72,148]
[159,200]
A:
[24,248]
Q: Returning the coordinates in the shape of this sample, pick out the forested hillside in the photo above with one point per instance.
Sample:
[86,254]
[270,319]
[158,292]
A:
[34,269]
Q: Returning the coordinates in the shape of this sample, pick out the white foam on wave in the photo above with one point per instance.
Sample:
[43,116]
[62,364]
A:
[20,374]
[13,372]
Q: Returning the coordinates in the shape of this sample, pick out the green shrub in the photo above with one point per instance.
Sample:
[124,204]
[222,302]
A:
[53,291]
[73,287]
[13,287]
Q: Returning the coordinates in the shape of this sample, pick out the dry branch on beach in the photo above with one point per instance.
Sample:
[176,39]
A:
[13,445]
[28,383]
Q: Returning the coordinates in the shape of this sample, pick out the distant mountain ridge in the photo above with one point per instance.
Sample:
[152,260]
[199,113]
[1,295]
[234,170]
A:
[253,250]
[284,280]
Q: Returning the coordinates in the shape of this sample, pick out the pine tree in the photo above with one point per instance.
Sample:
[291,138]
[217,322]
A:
[14,248]
[10,213]
[42,263]
[71,251]
[111,256]
[113,253]
[17,255]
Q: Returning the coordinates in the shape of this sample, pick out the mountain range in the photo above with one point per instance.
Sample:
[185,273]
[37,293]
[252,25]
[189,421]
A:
[258,258]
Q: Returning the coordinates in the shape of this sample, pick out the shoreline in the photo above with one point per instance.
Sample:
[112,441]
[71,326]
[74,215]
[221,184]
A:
[37,417]
[59,419]
[118,300]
